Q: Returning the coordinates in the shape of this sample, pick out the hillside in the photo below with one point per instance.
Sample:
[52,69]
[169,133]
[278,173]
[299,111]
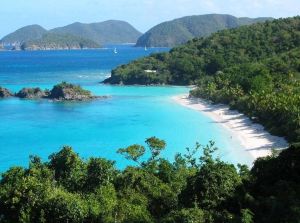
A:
[179,31]
[254,69]
[111,31]
[24,34]
[52,41]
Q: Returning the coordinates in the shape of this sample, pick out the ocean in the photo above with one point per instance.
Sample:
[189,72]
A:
[100,127]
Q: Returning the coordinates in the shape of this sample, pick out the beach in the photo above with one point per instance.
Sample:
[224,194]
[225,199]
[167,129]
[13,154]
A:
[252,136]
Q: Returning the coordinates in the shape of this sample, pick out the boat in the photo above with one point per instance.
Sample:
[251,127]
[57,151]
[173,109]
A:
[146,48]
[115,50]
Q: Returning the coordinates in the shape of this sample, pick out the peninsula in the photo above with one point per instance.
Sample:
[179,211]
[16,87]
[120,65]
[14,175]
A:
[253,69]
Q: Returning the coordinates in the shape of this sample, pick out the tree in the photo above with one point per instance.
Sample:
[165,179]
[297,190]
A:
[155,145]
[68,168]
[100,172]
[133,152]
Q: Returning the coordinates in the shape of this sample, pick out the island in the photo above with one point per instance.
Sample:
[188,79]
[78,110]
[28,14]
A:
[31,93]
[70,92]
[73,36]
[60,92]
[4,92]
[179,31]
[53,41]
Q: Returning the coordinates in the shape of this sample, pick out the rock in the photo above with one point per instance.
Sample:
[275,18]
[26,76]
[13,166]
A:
[60,92]
[31,93]
[4,93]
[70,92]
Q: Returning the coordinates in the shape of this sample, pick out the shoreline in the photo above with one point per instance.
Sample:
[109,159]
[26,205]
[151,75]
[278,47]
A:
[252,136]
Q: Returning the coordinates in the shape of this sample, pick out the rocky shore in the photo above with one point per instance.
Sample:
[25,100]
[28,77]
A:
[60,92]
[4,93]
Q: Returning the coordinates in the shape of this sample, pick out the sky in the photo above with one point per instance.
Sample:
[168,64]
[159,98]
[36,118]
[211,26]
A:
[142,14]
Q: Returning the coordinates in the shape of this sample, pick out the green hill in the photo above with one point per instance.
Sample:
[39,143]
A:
[52,41]
[254,69]
[24,34]
[179,31]
[107,32]
[111,31]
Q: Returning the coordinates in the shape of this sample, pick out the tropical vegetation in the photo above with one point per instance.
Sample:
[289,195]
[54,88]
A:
[179,31]
[192,188]
[254,69]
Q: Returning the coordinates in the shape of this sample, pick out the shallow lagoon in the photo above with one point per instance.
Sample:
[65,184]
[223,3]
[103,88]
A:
[99,127]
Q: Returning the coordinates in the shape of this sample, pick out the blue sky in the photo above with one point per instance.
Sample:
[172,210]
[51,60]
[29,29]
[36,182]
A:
[143,14]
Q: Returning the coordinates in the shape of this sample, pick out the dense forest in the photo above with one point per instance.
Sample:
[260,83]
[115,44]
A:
[193,189]
[179,31]
[254,69]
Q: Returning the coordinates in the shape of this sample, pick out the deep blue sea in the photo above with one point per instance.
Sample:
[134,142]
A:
[100,127]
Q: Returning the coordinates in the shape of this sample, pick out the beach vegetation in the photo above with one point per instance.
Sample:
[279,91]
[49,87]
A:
[254,69]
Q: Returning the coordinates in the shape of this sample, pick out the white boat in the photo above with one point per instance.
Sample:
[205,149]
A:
[146,48]
[115,50]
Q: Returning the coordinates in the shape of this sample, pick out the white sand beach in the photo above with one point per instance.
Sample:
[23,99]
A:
[253,137]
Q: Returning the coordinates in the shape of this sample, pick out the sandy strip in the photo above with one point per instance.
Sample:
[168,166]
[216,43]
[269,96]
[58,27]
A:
[257,141]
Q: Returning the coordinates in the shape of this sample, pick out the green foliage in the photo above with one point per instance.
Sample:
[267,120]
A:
[68,168]
[191,215]
[59,41]
[133,152]
[107,32]
[213,183]
[156,146]
[191,189]
[25,34]
[179,31]
[254,69]
[63,206]
[247,216]
[68,91]
[99,172]
[77,35]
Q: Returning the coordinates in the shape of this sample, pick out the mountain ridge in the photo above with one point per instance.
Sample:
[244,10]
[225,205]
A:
[26,33]
[106,32]
[116,29]
[178,31]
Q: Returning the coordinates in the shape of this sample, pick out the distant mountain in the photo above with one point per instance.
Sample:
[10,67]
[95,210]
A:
[179,31]
[24,34]
[111,31]
[53,41]
[94,34]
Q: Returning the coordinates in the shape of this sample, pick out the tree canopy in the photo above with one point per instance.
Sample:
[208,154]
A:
[67,188]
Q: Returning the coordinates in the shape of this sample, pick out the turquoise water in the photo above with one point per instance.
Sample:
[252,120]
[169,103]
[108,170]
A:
[99,127]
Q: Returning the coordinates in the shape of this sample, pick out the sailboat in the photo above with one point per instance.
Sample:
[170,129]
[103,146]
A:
[115,50]
[146,48]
